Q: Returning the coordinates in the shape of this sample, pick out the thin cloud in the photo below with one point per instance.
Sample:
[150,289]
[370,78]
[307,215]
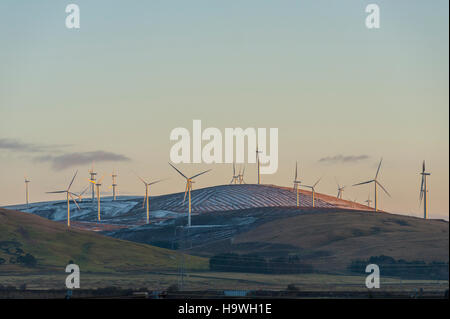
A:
[343,159]
[14,145]
[81,158]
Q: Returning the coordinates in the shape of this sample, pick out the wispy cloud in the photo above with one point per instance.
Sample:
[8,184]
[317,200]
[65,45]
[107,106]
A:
[343,159]
[14,145]
[63,161]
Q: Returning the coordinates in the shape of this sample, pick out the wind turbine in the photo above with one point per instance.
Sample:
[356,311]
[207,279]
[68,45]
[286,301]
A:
[368,201]
[26,188]
[80,195]
[114,184]
[189,181]
[241,175]
[92,178]
[376,183]
[296,184]
[424,191]
[68,194]
[235,178]
[258,163]
[340,190]
[98,184]
[313,190]
[147,199]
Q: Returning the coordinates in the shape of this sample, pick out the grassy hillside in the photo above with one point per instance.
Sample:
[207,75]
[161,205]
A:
[331,240]
[53,245]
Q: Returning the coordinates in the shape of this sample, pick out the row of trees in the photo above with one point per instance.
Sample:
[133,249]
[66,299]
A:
[253,263]
[417,269]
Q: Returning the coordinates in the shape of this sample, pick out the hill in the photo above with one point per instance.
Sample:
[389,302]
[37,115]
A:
[128,211]
[328,239]
[29,243]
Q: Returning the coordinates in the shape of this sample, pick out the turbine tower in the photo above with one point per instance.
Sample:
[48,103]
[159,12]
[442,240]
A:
[235,178]
[98,184]
[424,191]
[147,199]
[189,181]
[258,163]
[296,185]
[313,190]
[241,175]
[368,201]
[340,190]
[376,183]
[92,178]
[68,194]
[114,184]
[26,189]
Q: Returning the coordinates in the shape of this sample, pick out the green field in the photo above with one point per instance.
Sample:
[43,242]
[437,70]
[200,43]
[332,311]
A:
[53,245]
[219,281]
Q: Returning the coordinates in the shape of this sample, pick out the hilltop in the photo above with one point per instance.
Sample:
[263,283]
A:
[52,246]
[128,211]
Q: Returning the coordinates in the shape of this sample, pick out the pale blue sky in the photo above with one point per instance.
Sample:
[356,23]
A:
[136,70]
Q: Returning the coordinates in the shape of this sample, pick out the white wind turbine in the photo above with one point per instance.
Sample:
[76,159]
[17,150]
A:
[340,190]
[98,184]
[376,183]
[114,184]
[147,199]
[235,178]
[258,164]
[92,178]
[189,181]
[368,201]
[313,190]
[424,191]
[296,184]
[68,194]
[80,195]
[241,175]
[26,189]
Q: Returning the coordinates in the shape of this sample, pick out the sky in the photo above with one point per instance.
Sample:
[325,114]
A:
[341,95]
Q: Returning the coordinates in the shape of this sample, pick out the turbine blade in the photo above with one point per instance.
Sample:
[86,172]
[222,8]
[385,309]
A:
[423,167]
[142,180]
[56,192]
[73,199]
[421,191]
[295,171]
[159,180]
[200,174]
[178,171]
[317,182]
[363,183]
[384,189]
[84,191]
[72,180]
[378,169]
[100,180]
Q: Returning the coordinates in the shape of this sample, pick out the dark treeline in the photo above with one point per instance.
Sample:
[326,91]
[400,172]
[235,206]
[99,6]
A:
[253,263]
[389,266]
